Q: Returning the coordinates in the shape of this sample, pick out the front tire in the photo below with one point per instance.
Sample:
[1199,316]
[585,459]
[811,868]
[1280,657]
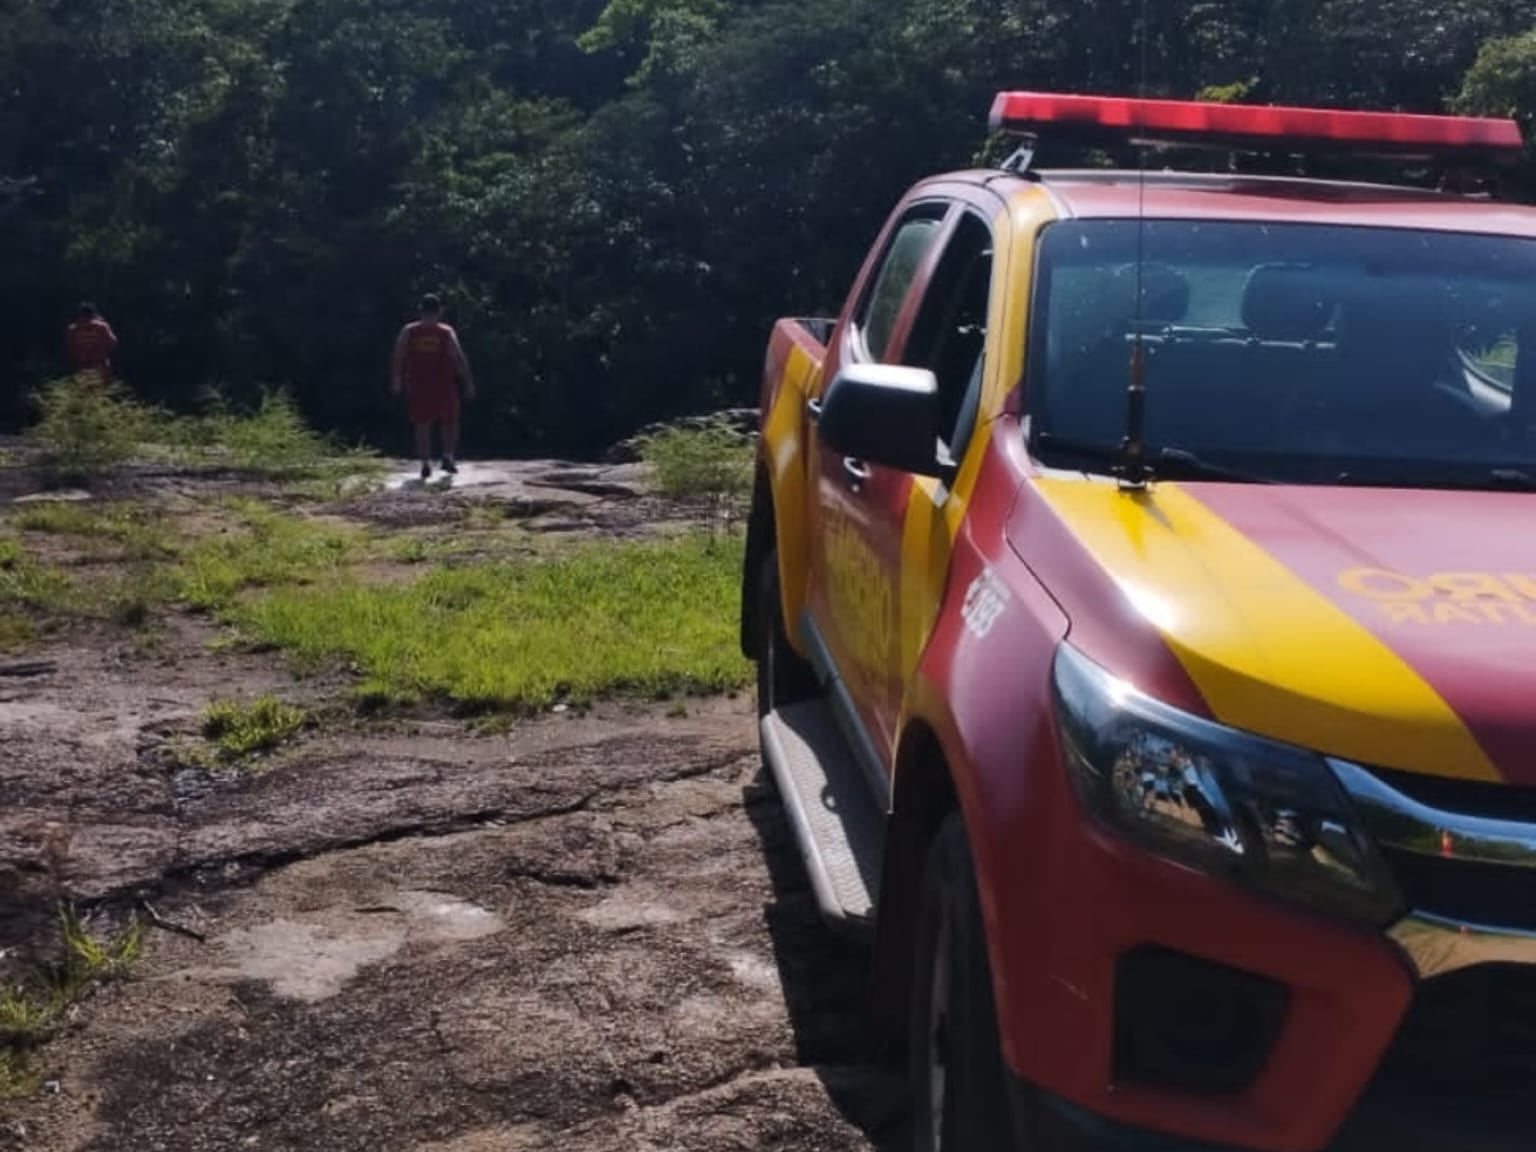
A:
[959,1086]
[783,676]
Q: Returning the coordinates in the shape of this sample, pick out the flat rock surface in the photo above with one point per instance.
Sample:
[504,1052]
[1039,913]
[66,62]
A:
[588,932]
[592,928]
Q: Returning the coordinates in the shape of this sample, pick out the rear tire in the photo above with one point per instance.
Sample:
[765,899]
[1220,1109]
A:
[783,676]
[959,1085]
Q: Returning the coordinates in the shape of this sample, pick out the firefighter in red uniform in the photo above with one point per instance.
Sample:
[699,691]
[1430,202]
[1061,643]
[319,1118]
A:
[427,365]
[89,342]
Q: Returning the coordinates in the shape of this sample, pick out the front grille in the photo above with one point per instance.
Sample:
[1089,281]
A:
[1459,1073]
[1470,1034]
[1467,797]
[1458,1076]
[1444,862]
[1468,891]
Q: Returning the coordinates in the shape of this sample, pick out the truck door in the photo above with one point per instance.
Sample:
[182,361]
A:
[867,617]
[947,334]
[857,508]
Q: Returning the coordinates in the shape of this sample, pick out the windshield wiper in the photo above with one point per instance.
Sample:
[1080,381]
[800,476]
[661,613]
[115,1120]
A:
[1160,463]
[1491,480]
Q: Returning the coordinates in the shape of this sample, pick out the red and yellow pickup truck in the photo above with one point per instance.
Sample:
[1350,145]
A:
[1141,576]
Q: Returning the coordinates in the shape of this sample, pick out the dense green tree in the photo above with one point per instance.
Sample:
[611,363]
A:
[616,196]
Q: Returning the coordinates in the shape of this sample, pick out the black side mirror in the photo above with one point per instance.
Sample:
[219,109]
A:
[885,414]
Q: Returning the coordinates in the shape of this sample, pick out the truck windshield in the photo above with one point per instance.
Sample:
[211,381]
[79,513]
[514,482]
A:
[1294,352]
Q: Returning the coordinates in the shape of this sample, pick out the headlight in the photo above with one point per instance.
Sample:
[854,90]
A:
[1269,815]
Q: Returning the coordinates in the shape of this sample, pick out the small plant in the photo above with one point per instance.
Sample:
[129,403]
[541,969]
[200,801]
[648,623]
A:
[16,632]
[87,428]
[26,584]
[25,1016]
[241,731]
[88,957]
[132,602]
[412,550]
[17,1077]
[35,1009]
[712,462]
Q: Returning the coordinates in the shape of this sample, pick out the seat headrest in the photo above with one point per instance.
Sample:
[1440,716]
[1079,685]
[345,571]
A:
[1286,302]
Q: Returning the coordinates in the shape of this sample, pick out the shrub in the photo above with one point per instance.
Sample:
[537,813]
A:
[273,439]
[86,427]
[708,461]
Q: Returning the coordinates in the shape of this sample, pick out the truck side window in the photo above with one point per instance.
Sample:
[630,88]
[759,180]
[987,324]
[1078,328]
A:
[949,335]
[903,257]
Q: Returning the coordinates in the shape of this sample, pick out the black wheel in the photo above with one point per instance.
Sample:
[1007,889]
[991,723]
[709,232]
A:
[959,1084]
[783,677]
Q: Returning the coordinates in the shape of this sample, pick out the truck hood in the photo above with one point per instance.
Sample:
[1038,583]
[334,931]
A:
[1390,627]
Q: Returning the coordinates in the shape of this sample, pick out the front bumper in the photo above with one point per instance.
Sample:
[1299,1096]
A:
[1061,1126]
[1355,1013]
[1382,1123]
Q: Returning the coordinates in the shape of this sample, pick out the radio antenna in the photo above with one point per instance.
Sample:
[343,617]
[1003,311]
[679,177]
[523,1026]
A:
[1133,469]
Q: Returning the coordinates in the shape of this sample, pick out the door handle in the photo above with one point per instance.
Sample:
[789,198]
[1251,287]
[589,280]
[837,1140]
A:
[856,470]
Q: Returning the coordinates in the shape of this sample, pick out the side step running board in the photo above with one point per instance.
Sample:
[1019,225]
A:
[835,821]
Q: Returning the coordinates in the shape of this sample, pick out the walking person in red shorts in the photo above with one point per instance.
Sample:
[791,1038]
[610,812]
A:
[427,365]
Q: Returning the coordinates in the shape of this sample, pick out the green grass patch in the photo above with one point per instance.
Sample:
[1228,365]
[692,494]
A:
[411,550]
[253,546]
[712,462]
[64,519]
[652,618]
[268,549]
[240,731]
[29,587]
[142,536]
[35,1009]
[17,631]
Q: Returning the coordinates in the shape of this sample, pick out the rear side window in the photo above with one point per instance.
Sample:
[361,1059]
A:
[949,333]
[888,291]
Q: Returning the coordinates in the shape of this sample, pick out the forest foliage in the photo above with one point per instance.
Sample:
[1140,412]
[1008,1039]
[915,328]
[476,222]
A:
[615,197]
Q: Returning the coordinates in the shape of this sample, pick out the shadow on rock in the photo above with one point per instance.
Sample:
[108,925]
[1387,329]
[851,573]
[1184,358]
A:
[825,979]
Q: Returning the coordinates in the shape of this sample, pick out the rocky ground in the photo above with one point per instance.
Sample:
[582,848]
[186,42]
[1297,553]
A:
[416,934]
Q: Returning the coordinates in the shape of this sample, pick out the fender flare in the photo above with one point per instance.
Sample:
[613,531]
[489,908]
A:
[954,753]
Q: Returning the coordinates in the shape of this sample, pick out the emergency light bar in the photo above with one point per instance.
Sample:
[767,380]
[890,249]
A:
[1254,127]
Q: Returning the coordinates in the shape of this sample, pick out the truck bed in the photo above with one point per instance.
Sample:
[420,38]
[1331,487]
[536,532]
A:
[818,328]
[807,335]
